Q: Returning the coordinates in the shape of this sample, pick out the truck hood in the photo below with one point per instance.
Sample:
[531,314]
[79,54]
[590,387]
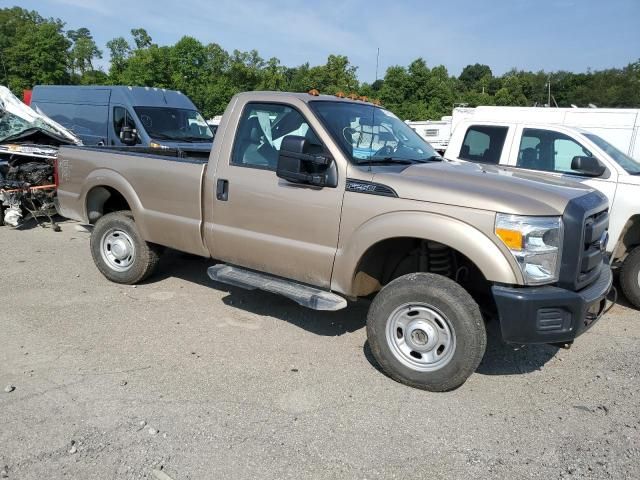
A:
[486,187]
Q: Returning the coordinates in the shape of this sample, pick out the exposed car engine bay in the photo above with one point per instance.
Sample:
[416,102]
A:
[27,185]
[29,145]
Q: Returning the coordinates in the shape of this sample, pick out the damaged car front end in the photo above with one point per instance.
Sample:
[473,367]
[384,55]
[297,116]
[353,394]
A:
[29,145]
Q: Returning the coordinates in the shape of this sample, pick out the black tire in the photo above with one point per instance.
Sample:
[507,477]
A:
[453,304]
[144,259]
[630,277]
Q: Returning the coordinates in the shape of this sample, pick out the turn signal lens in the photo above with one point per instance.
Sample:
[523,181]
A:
[511,238]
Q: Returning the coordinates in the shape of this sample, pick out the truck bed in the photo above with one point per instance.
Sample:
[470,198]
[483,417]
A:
[163,188]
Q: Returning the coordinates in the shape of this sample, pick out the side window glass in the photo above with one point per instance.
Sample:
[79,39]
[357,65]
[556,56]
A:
[565,150]
[549,151]
[261,131]
[119,115]
[483,144]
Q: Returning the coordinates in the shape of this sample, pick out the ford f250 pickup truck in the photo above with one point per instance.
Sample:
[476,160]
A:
[325,199]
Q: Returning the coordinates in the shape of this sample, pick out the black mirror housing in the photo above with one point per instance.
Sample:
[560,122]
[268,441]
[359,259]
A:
[589,166]
[128,136]
[297,165]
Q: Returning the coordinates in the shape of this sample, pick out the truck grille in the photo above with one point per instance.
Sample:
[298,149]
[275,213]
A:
[593,247]
[586,222]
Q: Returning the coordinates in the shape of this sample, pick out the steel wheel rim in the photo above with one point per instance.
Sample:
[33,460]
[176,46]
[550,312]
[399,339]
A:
[118,250]
[420,337]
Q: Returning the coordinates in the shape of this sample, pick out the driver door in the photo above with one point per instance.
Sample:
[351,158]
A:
[263,222]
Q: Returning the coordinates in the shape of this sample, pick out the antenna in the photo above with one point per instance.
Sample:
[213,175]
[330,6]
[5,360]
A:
[549,85]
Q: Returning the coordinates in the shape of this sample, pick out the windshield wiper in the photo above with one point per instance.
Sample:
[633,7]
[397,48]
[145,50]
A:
[161,136]
[387,161]
[399,161]
[197,139]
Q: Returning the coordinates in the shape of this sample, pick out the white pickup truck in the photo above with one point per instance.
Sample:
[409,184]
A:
[569,153]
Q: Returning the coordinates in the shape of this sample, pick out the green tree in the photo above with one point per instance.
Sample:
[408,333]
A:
[119,50]
[141,38]
[33,50]
[476,76]
[83,51]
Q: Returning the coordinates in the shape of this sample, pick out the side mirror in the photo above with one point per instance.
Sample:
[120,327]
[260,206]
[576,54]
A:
[128,135]
[589,166]
[297,165]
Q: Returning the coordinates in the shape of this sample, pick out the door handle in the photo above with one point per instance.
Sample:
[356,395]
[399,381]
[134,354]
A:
[222,190]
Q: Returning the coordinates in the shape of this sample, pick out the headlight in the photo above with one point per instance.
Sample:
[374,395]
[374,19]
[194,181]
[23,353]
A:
[536,244]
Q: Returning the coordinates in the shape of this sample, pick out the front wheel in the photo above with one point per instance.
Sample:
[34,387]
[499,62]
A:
[120,252]
[630,277]
[426,331]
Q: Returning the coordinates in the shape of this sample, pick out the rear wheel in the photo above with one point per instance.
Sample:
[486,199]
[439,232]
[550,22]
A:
[630,277]
[426,331]
[120,252]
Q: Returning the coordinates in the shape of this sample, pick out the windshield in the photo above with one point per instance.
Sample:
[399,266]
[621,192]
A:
[174,124]
[369,134]
[625,161]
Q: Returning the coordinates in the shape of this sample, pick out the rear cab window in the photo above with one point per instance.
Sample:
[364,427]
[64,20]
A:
[483,144]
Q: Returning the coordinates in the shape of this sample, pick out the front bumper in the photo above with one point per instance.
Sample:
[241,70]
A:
[550,314]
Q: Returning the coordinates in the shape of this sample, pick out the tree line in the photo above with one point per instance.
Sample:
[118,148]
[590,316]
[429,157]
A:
[37,50]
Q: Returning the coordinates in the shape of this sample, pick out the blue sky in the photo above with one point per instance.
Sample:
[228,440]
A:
[527,34]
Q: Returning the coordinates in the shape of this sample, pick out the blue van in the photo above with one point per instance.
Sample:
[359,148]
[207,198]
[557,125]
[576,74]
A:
[125,116]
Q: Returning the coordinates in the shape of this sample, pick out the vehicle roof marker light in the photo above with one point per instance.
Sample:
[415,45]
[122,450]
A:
[314,92]
[353,96]
[340,94]
[364,99]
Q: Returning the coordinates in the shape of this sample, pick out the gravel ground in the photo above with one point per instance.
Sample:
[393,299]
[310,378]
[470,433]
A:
[195,381]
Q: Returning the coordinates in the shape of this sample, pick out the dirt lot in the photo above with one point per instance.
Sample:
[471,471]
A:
[200,382]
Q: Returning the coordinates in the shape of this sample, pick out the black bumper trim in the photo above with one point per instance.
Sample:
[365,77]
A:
[550,314]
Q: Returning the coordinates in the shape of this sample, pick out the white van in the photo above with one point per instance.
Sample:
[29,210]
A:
[618,126]
[571,153]
[436,132]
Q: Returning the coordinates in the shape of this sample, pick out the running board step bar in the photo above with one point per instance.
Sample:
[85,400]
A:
[304,295]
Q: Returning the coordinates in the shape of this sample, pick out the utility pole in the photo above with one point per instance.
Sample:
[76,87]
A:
[549,84]
[377,62]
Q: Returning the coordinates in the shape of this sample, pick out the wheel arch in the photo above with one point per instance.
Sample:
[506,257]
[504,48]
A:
[628,240]
[459,236]
[107,191]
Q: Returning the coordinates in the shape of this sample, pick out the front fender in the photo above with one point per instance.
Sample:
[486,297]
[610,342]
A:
[494,264]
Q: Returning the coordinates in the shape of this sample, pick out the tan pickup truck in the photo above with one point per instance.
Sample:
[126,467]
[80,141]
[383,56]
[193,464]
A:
[324,200]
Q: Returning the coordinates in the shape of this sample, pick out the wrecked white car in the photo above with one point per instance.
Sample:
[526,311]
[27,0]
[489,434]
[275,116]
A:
[29,145]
